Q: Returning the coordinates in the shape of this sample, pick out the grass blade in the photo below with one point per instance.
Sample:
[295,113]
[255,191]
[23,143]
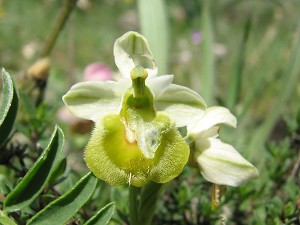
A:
[154,26]
[290,80]
[207,55]
[236,76]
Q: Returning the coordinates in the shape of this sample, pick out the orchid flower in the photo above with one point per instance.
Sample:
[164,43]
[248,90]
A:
[219,163]
[135,138]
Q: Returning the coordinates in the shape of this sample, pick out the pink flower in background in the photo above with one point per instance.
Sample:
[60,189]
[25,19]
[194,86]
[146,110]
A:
[97,71]
[196,37]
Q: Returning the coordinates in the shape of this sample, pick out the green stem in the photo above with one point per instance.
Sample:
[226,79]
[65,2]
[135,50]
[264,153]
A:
[149,196]
[134,202]
[61,21]
[65,13]
[142,203]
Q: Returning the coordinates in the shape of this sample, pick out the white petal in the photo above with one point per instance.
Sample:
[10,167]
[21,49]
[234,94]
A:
[213,116]
[122,86]
[132,49]
[159,84]
[182,104]
[221,164]
[93,99]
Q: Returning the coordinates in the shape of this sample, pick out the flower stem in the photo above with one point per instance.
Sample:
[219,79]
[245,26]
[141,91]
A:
[149,196]
[68,7]
[134,202]
[142,202]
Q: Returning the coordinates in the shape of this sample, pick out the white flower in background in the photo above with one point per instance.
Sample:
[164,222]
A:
[219,163]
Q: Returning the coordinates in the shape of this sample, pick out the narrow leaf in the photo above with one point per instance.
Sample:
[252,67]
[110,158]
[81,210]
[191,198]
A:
[154,26]
[291,79]
[9,106]
[6,220]
[236,77]
[102,217]
[37,177]
[59,170]
[207,66]
[62,209]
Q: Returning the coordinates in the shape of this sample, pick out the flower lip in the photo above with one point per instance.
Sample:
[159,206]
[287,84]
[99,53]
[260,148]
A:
[113,159]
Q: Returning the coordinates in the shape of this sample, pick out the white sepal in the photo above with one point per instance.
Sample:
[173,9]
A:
[131,50]
[221,164]
[92,99]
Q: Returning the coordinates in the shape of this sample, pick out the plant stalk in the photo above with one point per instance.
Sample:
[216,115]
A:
[65,13]
[134,202]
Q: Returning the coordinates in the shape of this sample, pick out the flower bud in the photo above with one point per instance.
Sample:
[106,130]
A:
[40,69]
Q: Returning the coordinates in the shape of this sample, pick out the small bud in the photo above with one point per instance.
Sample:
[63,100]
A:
[40,69]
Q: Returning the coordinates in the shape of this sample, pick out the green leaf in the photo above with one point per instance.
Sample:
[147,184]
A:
[154,26]
[290,80]
[38,176]
[62,209]
[103,216]
[5,185]
[59,170]
[9,107]
[4,219]
[236,76]
[207,66]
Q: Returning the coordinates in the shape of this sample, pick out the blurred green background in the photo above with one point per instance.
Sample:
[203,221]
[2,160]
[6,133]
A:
[244,55]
